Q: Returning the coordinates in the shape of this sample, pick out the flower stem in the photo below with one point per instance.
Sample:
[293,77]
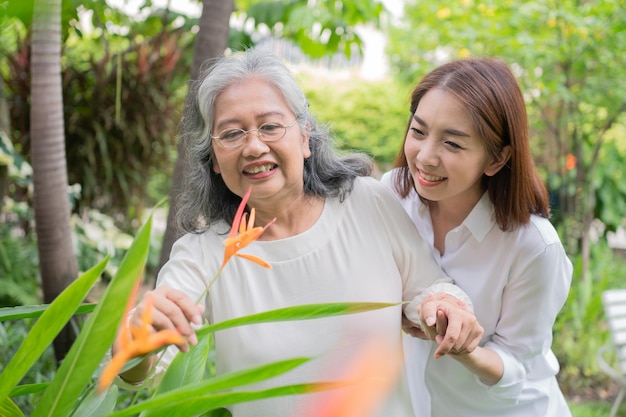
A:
[207,287]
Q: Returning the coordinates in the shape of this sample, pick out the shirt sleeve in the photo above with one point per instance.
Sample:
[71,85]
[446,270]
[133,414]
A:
[421,274]
[420,262]
[536,292]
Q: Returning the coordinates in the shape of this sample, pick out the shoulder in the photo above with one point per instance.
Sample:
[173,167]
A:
[543,230]
[379,203]
[369,188]
[537,240]
[191,242]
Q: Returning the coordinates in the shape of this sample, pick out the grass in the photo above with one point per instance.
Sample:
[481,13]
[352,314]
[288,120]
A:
[595,409]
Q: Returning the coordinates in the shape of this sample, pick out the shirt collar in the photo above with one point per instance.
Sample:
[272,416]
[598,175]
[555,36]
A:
[481,219]
[479,222]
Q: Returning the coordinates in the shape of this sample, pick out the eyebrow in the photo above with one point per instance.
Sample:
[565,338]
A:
[236,120]
[453,132]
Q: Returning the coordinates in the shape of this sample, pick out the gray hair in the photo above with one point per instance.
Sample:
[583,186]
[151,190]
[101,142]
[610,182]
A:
[205,199]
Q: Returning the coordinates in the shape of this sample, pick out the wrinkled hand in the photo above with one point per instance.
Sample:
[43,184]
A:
[450,323]
[172,309]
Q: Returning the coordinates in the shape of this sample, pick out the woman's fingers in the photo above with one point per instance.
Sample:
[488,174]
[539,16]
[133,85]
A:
[172,309]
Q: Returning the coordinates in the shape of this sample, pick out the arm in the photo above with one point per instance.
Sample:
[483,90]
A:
[179,286]
[448,320]
[519,345]
[172,309]
[537,288]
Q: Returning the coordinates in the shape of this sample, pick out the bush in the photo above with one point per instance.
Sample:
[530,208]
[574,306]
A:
[581,329]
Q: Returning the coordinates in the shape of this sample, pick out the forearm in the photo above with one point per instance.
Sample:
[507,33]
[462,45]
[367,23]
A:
[139,372]
[485,363]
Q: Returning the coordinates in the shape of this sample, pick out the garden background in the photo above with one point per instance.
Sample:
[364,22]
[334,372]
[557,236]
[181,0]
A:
[95,159]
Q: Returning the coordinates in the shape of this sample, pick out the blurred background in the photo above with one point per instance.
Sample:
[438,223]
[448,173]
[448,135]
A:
[125,66]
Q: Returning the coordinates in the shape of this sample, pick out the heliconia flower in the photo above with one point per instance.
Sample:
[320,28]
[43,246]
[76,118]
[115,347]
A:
[570,162]
[134,341]
[247,234]
[367,382]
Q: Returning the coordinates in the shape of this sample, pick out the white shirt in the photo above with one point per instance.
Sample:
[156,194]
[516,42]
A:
[362,249]
[518,281]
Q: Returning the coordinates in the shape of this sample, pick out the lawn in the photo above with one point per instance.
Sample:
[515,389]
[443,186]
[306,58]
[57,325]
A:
[595,409]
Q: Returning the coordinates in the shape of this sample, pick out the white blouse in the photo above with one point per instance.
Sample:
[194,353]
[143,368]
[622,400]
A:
[362,249]
[518,282]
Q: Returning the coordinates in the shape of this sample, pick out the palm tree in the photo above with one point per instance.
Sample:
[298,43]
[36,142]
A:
[211,42]
[57,261]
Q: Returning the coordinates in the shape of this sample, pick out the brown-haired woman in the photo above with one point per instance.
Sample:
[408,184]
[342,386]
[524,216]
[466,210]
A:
[466,176]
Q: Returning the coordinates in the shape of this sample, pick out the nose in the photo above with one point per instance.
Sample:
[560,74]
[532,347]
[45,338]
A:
[427,153]
[253,145]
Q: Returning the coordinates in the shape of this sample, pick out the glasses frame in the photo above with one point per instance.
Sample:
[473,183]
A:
[247,132]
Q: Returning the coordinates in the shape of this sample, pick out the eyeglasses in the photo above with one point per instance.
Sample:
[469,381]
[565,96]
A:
[267,132]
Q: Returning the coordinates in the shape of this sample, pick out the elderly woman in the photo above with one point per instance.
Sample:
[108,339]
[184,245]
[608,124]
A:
[338,236]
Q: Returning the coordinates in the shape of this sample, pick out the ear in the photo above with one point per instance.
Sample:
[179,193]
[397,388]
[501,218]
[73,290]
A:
[497,163]
[306,135]
[216,167]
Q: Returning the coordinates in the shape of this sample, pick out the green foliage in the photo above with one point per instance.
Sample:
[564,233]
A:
[123,96]
[580,328]
[12,334]
[19,270]
[70,391]
[325,29]
[367,117]
[96,236]
[569,60]
[594,409]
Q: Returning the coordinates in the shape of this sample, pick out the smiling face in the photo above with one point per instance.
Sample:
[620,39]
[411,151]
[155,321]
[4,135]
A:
[445,156]
[273,169]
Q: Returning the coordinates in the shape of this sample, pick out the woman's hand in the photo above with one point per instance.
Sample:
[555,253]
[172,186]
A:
[172,309]
[448,322]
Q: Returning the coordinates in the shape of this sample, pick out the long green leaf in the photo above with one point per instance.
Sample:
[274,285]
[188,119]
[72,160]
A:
[301,312]
[218,383]
[193,406]
[48,327]
[98,334]
[95,405]
[186,368]
[28,389]
[27,312]
[9,409]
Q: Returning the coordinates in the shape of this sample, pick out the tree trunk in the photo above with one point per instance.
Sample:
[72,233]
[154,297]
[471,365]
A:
[6,128]
[211,42]
[57,260]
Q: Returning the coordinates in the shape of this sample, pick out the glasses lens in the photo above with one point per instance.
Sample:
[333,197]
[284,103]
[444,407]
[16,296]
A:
[272,131]
[232,137]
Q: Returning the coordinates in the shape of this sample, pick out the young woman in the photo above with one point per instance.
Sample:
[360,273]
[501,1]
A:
[466,177]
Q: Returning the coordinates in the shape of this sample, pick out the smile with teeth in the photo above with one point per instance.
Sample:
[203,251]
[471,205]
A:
[259,168]
[430,178]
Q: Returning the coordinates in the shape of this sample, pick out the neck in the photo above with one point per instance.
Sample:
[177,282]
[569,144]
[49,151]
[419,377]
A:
[291,219]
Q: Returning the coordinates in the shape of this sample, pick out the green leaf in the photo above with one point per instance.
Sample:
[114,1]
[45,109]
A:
[98,334]
[28,389]
[9,409]
[48,327]
[186,368]
[178,400]
[185,407]
[301,312]
[26,312]
[95,405]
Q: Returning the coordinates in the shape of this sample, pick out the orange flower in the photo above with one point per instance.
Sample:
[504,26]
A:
[247,234]
[570,162]
[369,379]
[134,341]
